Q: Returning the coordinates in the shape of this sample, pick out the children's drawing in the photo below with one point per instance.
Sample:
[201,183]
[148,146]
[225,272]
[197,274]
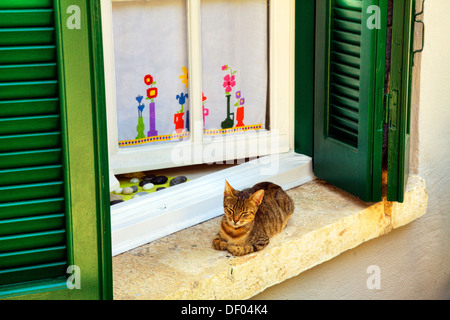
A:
[152,93]
[140,127]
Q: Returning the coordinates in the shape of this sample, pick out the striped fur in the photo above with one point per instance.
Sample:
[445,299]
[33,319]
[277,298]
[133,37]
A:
[252,217]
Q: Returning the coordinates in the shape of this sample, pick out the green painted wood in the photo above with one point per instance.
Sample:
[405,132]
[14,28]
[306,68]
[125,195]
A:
[30,107]
[32,224]
[10,244]
[27,36]
[26,18]
[28,72]
[27,54]
[304,76]
[12,285]
[28,208]
[31,175]
[24,159]
[32,191]
[25,142]
[400,103]
[32,90]
[25,4]
[347,91]
[9,126]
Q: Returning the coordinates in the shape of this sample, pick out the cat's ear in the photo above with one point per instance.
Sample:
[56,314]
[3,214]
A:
[229,191]
[257,197]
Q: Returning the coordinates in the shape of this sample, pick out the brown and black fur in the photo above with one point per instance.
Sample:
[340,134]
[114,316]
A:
[252,217]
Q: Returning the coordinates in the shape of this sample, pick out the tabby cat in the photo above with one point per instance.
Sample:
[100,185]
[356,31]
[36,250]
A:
[251,217]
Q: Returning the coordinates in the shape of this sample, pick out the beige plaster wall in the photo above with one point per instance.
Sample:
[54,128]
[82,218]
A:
[414,260]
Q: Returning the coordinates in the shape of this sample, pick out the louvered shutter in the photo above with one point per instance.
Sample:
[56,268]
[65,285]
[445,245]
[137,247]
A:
[32,207]
[350,60]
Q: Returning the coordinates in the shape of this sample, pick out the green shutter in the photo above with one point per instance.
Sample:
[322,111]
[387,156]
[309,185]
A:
[32,207]
[349,88]
[399,104]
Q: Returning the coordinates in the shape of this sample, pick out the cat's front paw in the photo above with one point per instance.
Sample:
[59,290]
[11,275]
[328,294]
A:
[219,244]
[240,250]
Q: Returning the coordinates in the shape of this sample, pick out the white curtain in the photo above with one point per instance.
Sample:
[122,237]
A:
[150,39]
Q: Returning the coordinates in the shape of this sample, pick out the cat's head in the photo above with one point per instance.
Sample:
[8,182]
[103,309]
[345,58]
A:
[240,209]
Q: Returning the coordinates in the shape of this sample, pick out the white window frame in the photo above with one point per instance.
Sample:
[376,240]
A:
[281,103]
[148,218]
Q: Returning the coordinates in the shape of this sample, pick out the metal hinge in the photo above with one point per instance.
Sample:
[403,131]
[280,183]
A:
[390,109]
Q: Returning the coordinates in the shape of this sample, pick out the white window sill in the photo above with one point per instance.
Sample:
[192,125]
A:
[326,222]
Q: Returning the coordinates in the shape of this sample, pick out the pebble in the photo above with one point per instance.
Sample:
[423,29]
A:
[159,180]
[161,188]
[114,197]
[118,191]
[134,180]
[148,186]
[127,191]
[135,188]
[143,183]
[140,194]
[178,180]
[149,177]
[116,202]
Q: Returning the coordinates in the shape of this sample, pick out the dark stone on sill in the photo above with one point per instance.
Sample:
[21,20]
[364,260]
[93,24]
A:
[178,180]
[161,188]
[160,180]
[116,202]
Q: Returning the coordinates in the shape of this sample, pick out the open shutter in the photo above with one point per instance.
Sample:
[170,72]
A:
[399,98]
[53,147]
[349,88]
[32,211]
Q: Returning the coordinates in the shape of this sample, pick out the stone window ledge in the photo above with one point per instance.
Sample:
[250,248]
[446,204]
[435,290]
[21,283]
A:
[326,222]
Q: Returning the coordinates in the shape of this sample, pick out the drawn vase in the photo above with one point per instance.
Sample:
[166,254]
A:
[229,121]
[152,132]
[205,114]
[179,122]
[240,117]
[140,129]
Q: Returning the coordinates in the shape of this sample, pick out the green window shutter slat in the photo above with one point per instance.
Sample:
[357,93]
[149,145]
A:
[30,107]
[28,72]
[35,89]
[31,273]
[26,18]
[10,210]
[26,4]
[27,54]
[31,175]
[348,86]
[26,36]
[33,236]
[33,141]
[9,126]
[32,191]
[31,224]
[30,158]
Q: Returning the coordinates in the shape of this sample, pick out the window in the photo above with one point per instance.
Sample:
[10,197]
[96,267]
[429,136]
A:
[222,81]
[218,78]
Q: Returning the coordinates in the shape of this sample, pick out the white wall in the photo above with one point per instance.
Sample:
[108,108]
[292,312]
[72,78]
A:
[414,260]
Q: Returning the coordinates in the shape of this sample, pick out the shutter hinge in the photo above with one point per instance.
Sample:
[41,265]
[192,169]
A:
[390,109]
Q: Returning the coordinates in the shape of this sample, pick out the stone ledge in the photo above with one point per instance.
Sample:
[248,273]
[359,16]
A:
[326,222]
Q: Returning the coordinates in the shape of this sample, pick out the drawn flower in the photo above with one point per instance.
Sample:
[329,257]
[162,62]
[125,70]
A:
[229,82]
[152,93]
[241,101]
[139,99]
[185,77]
[238,95]
[148,80]
[225,67]
[141,107]
[182,98]
[204,98]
